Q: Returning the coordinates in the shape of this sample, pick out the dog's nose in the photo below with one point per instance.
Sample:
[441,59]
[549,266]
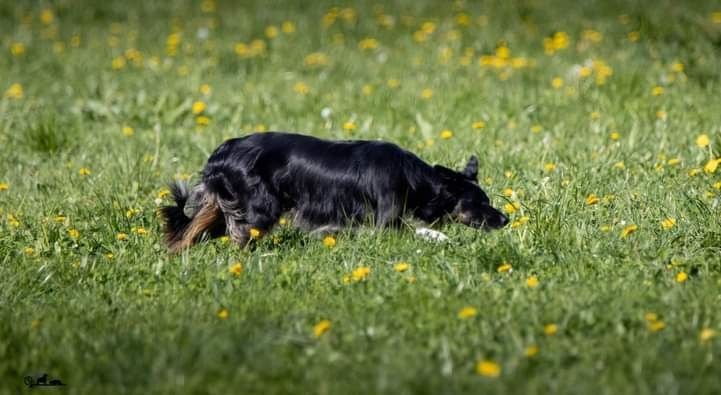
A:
[502,220]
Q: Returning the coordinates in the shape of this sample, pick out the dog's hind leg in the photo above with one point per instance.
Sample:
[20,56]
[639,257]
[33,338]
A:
[388,214]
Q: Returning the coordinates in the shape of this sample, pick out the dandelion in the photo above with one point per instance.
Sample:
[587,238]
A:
[60,219]
[549,167]
[84,171]
[128,131]
[619,165]
[446,134]
[531,351]
[511,208]
[29,251]
[321,328]
[668,223]
[550,329]
[13,221]
[368,43]
[118,63]
[662,115]
[202,120]
[694,172]
[47,16]
[592,199]
[198,107]
[657,91]
[532,282]
[360,273]
[426,93]
[4,186]
[536,129]
[73,233]
[287,27]
[236,269]
[223,314]
[711,165]
[467,312]
[205,89]
[271,32]
[401,267]
[122,236]
[681,277]
[478,125]
[557,83]
[673,161]
[393,83]
[707,334]
[329,241]
[615,136]
[15,92]
[628,230]
[131,212]
[633,36]
[283,221]
[17,49]
[488,368]
[504,267]
[316,59]
[716,17]
[140,231]
[254,233]
[585,71]
[349,126]
[301,88]
[655,325]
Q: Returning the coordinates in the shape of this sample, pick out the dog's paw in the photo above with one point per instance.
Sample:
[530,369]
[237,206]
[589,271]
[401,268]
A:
[430,234]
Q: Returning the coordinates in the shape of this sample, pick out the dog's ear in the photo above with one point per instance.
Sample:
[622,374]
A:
[471,170]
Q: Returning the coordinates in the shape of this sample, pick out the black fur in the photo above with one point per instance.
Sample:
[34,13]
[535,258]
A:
[327,185]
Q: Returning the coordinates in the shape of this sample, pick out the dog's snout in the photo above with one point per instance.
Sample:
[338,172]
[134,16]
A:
[502,220]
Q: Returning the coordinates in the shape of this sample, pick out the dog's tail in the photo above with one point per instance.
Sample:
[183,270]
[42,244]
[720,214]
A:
[184,224]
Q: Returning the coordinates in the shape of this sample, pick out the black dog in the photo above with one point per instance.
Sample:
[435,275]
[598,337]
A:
[249,182]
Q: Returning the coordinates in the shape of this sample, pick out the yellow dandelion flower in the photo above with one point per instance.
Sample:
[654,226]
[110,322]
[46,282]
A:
[236,269]
[4,186]
[128,131]
[329,241]
[446,134]
[349,126]
[255,233]
[73,233]
[520,222]
[550,329]
[139,231]
[532,282]
[592,199]
[17,49]
[673,161]
[662,115]
[360,273]
[84,171]
[655,326]
[13,221]
[29,251]
[707,334]
[118,63]
[488,368]
[202,120]
[198,107]
[549,167]
[47,16]
[401,267]
[122,236]
[512,207]
[478,125]
[619,165]
[531,351]
[283,221]
[657,91]
[271,32]
[393,83]
[367,90]
[633,36]
[131,212]
[615,135]
[15,91]
[301,88]
[716,17]
[504,267]
[368,43]
[628,230]
[223,314]
[711,166]
[316,59]
[694,172]
[287,27]
[321,328]
[467,312]
[585,71]
[668,223]
[557,83]
[650,316]
[426,93]
[60,219]
[681,277]
[205,89]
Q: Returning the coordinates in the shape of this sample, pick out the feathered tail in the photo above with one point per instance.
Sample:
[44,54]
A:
[188,220]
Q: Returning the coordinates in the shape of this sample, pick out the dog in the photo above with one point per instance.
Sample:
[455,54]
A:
[249,182]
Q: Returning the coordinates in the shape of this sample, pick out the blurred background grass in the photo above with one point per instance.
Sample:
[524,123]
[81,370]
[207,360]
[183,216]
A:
[590,117]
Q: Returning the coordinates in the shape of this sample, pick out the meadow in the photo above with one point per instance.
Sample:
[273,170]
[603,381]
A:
[597,126]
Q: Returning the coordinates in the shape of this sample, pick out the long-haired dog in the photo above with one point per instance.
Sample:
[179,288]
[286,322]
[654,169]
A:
[249,182]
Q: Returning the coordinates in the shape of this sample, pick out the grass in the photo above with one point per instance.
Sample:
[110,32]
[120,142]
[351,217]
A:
[97,116]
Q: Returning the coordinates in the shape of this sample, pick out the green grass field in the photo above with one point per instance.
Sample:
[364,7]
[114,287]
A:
[597,125]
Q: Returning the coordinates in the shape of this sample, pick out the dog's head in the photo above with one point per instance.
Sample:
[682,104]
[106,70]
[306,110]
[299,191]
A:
[471,205]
